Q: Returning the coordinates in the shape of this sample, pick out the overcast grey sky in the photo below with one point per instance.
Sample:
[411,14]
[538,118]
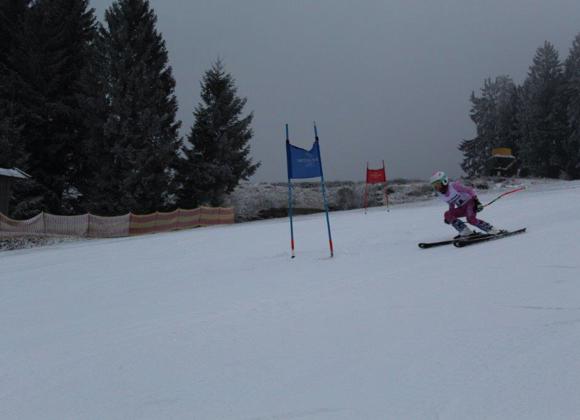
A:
[383,79]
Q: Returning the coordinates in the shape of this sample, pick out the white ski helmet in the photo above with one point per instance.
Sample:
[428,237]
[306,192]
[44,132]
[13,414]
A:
[439,176]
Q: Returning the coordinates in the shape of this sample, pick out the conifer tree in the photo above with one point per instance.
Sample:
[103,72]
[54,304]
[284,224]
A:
[219,157]
[94,158]
[572,76]
[541,115]
[494,115]
[141,138]
[12,15]
[474,161]
[50,57]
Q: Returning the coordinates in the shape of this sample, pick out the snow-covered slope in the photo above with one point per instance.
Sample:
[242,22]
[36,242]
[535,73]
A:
[219,323]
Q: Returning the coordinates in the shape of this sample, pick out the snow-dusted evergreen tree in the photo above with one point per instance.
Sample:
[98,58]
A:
[572,75]
[542,115]
[474,161]
[50,56]
[219,157]
[12,15]
[141,132]
[95,156]
[494,115]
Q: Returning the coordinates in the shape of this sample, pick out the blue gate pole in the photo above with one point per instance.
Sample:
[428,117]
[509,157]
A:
[289,163]
[324,193]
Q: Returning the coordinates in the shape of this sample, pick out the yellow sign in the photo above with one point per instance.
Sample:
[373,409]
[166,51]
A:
[502,151]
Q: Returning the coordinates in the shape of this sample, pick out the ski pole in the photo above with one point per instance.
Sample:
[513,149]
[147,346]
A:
[504,194]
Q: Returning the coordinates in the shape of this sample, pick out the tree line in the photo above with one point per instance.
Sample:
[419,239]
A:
[88,110]
[539,119]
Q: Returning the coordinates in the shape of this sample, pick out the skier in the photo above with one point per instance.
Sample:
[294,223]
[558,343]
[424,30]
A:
[463,202]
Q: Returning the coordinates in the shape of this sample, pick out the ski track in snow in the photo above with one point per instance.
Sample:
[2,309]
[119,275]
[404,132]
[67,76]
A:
[220,323]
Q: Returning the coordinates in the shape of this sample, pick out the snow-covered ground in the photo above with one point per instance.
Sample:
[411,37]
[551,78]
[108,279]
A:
[219,323]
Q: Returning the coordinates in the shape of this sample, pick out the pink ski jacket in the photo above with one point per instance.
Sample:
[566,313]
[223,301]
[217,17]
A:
[457,194]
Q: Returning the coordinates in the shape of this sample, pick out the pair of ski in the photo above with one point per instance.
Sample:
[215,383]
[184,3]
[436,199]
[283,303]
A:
[472,239]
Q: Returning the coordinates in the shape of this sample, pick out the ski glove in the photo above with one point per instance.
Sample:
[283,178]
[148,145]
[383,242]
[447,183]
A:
[477,206]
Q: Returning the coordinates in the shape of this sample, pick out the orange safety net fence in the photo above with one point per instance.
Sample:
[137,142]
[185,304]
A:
[110,227]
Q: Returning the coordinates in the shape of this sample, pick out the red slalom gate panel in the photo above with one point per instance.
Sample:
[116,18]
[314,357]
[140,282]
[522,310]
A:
[376,176]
